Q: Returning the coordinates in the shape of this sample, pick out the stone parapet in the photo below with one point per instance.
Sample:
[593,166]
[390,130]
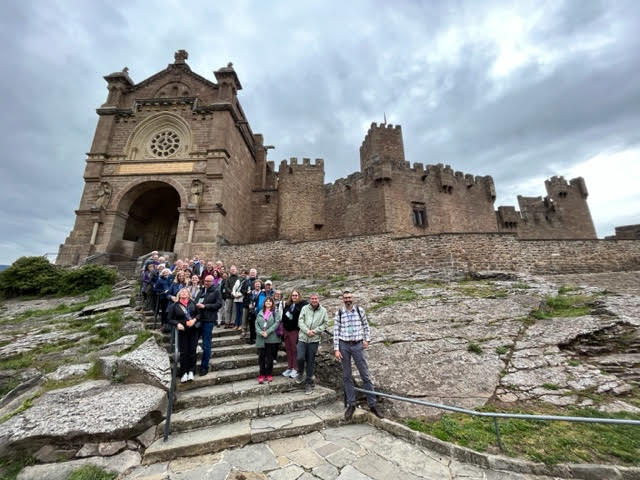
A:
[370,254]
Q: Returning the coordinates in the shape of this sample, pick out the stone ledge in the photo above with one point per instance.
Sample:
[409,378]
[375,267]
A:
[583,471]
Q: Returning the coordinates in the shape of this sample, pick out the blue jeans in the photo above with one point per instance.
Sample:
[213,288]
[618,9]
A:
[355,351]
[307,354]
[207,329]
[238,309]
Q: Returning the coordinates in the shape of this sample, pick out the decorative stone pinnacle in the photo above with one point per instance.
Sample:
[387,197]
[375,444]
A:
[125,70]
[181,56]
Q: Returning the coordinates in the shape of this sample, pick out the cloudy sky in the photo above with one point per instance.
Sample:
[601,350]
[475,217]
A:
[517,90]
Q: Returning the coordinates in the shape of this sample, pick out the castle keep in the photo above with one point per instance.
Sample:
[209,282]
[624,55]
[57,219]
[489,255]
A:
[174,165]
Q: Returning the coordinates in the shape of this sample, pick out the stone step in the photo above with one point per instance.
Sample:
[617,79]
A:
[239,349]
[255,430]
[217,377]
[263,404]
[226,392]
[216,342]
[229,350]
[227,362]
[221,333]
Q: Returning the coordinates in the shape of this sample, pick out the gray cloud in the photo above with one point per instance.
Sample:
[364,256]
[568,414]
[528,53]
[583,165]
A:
[514,91]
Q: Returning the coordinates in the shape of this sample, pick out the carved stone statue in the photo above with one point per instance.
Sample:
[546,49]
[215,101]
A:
[104,195]
[181,56]
[195,195]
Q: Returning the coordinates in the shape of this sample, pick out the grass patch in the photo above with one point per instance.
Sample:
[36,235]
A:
[94,372]
[94,296]
[574,363]
[564,289]
[424,284]
[548,442]
[401,296]
[550,386]
[474,348]
[338,278]
[11,466]
[9,385]
[480,289]
[142,337]
[111,331]
[92,472]
[521,286]
[28,403]
[502,349]
[564,306]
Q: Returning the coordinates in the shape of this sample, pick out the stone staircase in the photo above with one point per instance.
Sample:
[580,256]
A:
[228,408]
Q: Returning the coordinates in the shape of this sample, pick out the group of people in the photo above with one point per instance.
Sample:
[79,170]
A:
[194,297]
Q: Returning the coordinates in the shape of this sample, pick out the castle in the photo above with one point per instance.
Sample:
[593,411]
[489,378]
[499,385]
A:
[175,166]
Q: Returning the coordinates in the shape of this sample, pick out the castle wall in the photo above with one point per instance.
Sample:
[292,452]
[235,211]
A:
[563,213]
[301,213]
[354,206]
[373,254]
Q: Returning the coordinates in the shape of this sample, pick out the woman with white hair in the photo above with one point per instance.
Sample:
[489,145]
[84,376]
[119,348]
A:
[184,316]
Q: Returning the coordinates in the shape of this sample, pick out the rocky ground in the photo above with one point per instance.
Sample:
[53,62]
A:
[466,342]
[72,368]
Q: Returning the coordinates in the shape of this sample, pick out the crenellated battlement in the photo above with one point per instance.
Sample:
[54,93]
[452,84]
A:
[306,165]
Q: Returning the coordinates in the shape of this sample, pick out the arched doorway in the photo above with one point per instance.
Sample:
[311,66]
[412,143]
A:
[152,220]
[146,218]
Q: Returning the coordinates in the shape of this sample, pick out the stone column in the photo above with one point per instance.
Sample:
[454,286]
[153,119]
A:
[191,224]
[94,233]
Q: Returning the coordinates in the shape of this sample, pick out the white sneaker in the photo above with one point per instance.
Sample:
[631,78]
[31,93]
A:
[293,373]
[286,372]
[190,376]
[185,378]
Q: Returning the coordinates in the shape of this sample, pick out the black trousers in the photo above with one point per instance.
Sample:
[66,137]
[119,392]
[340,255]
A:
[251,318]
[265,358]
[187,343]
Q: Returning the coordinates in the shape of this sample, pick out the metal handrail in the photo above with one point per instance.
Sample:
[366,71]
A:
[496,415]
[156,297]
[174,374]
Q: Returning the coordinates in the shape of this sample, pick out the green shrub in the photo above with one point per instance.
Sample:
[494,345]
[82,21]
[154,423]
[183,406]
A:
[474,348]
[85,278]
[30,276]
[37,276]
[92,472]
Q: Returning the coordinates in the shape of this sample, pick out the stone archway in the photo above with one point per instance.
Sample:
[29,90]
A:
[147,219]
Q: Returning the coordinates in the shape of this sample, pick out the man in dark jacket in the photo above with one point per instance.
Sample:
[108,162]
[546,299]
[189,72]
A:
[228,301]
[209,303]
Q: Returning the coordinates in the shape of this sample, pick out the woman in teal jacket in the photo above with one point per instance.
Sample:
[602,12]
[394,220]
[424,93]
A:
[266,339]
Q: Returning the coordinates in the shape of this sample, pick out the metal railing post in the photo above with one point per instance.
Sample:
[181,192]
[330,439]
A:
[174,374]
[155,311]
[497,429]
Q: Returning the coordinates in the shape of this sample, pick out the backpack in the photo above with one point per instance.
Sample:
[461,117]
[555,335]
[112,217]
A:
[357,310]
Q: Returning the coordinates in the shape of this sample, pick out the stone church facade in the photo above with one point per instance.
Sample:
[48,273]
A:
[175,166]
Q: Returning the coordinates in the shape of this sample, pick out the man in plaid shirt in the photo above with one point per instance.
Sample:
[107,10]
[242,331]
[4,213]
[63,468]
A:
[351,336]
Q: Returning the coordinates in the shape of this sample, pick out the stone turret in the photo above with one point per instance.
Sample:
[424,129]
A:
[382,142]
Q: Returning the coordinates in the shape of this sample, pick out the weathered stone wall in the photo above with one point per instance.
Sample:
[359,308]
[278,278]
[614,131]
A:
[301,199]
[563,213]
[626,232]
[382,142]
[467,252]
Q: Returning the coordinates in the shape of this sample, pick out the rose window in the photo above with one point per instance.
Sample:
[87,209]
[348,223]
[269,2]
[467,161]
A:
[165,143]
